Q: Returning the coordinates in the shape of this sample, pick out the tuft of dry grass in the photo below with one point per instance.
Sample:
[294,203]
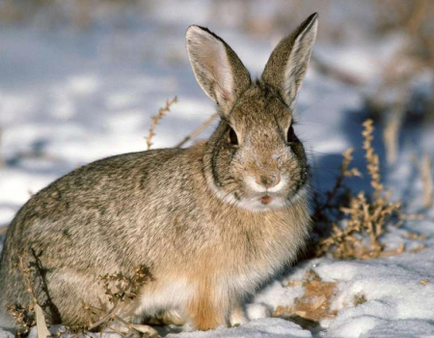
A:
[155,119]
[314,305]
[364,217]
[119,288]
[24,316]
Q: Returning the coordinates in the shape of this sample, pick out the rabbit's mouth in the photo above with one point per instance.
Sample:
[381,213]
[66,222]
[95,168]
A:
[266,199]
[272,200]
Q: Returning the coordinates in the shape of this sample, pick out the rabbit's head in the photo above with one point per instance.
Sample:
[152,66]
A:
[254,158]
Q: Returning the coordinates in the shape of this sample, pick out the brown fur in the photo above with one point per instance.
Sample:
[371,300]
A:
[193,216]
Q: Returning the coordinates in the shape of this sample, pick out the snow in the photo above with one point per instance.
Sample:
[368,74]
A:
[69,97]
[267,327]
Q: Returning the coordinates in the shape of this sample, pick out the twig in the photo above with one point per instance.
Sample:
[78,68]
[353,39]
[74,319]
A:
[25,270]
[336,73]
[104,318]
[345,172]
[373,165]
[426,170]
[391,132]
[157,118]
[197,131]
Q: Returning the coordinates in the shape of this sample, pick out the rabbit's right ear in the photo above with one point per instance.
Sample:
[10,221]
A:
[217,68]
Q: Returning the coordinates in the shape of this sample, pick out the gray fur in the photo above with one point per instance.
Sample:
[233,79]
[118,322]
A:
[202,47]
[194,217]
[288,63]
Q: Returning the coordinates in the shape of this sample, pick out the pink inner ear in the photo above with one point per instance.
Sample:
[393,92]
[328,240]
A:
[221,71]
[222,94]
[212,57]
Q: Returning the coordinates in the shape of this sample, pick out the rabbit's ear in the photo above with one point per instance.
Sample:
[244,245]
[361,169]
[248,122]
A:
[288,63]
[217,68]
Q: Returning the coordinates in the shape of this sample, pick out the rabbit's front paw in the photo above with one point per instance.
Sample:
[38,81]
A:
[238,317]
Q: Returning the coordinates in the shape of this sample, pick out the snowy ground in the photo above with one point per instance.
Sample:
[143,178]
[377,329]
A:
[69,97]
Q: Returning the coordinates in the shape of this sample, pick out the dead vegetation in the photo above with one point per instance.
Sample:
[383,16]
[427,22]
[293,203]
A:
[155,119]
[354,223]
[118,288]
[397,98]
[28,315]
[426,173]
[314,305]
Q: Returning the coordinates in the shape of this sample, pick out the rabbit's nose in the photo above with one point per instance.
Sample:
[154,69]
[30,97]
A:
[268,181]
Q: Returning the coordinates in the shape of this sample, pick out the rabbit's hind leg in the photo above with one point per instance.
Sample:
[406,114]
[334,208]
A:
[72,293]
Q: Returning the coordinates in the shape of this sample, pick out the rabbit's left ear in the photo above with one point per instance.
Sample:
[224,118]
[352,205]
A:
[217,68]
[288,63]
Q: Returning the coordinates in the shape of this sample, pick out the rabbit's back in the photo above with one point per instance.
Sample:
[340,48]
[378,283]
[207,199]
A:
[97,205]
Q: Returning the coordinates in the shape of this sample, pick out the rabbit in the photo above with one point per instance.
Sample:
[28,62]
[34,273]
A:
[212,222]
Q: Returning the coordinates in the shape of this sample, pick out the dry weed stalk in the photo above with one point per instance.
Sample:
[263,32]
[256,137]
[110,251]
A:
[198,130]
[118,288]
[426,170]
[373,162]
[365,217]
[27,316]
[324,211]
[391,133]
[155,119]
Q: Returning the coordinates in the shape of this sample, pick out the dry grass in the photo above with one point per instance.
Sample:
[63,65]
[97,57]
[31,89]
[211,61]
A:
[427,180]
[119,288]
[155,119]
[27,316]
[392,102]
[314,305]
[355,223]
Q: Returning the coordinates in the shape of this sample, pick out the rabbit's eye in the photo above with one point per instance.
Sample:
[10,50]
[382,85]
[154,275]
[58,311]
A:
[233,139]
[290,136]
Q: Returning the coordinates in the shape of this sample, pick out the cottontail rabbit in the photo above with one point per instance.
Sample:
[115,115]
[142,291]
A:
[211,222]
